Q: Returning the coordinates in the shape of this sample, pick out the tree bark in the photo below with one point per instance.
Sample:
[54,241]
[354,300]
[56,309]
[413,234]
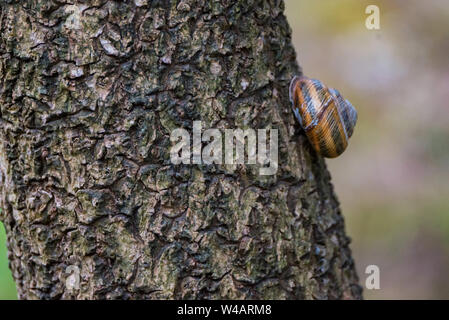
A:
[89,94]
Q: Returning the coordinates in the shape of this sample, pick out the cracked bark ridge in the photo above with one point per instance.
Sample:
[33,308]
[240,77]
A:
[90,91]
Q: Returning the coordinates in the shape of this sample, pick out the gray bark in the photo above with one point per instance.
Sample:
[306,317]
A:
[89,94]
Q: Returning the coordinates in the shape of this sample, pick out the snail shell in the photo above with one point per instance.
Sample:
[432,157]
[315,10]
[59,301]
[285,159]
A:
[326,117]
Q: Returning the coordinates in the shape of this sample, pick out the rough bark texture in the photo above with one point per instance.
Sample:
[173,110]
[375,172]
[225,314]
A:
[90,91]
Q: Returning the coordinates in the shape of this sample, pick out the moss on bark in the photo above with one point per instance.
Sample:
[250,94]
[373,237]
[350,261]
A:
[89,94]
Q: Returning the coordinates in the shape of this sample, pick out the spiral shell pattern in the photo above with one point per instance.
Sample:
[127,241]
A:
[326,117]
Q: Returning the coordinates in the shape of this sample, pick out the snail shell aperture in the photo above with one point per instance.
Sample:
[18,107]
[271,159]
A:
[326,117]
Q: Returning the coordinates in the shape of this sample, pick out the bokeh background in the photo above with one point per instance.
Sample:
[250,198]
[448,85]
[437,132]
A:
[393,181]
[7,286]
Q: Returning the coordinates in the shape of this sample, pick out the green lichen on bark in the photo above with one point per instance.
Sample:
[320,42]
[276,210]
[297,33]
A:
[89,93]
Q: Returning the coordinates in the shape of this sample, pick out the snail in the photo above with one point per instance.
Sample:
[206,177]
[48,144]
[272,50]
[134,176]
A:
[326,117]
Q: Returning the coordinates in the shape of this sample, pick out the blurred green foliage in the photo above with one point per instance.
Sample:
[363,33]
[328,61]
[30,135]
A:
[7,285]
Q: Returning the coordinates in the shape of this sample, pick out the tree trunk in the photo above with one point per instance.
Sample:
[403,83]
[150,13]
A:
[90,93]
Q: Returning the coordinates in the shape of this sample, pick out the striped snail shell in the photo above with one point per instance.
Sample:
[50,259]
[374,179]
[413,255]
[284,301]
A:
[327,119]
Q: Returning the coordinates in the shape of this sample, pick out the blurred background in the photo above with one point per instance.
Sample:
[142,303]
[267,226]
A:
[393,181]
[7,286]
